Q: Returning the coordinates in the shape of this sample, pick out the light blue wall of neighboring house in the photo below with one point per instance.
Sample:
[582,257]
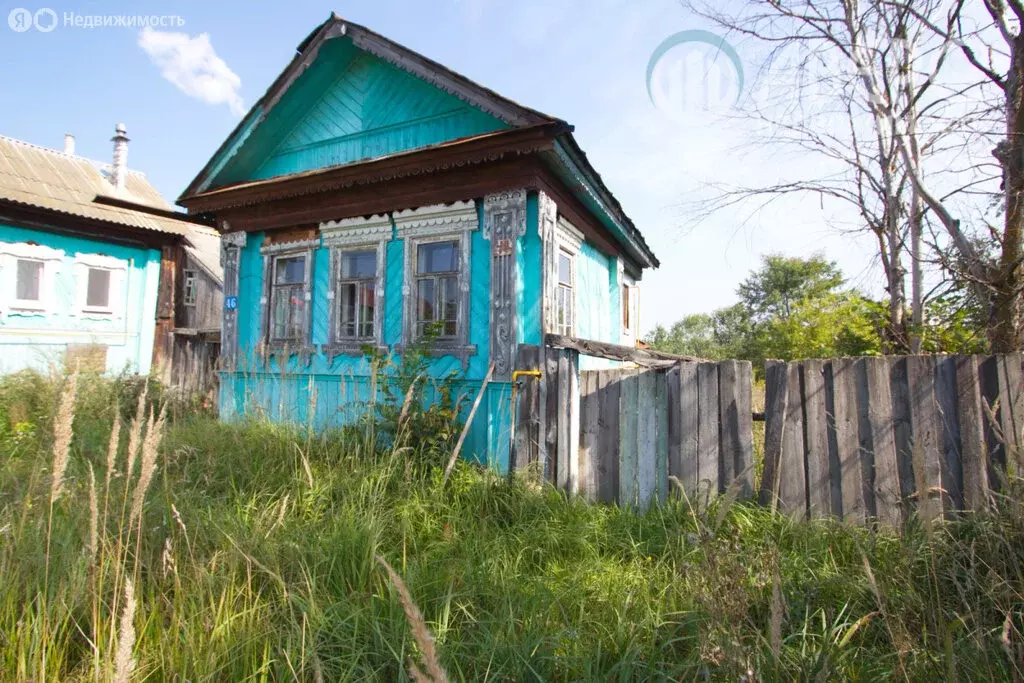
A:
[594,308]
[35,339]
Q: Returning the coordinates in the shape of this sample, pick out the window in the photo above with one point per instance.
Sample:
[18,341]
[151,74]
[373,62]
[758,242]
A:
[565,303]
[29,280]
[98,288]
[437,288]
[190,288]
[288,299]
[625,309]
[357,296]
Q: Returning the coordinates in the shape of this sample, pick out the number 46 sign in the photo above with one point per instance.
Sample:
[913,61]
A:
[230,303]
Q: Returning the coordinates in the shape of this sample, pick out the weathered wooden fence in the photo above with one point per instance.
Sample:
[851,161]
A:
[619,434]
[879,438]
[862,439]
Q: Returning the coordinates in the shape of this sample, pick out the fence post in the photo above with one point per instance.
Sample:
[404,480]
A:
[775,399]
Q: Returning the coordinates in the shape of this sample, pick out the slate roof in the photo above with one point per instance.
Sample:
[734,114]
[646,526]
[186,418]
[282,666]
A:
[64,183]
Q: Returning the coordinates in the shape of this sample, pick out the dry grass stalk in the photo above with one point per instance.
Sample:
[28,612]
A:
[135,434]
[147,467]
[115,440]
[62,433]
[420,632]
[408,401]
[94,518]
[124,662]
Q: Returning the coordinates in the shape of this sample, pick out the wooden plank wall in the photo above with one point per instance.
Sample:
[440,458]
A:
[877,439]
[618,435]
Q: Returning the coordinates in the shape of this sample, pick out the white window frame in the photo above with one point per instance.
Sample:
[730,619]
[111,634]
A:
[189,277]
[348,235]
[568,330]
[10,254]
[629,305]
[118,276]
[564,238]
[272,252]
[438,223]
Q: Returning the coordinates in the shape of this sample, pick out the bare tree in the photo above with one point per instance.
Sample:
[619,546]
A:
[886,59]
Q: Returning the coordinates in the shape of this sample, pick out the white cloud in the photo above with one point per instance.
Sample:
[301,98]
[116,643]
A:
[192,65]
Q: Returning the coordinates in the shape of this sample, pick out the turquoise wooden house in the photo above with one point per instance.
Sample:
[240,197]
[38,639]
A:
[80,260]
[372,194]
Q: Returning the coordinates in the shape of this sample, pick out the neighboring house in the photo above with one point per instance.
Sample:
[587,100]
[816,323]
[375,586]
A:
[81,244]
[372,194]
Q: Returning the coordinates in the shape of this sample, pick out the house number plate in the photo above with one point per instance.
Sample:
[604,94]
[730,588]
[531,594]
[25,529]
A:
[230,303]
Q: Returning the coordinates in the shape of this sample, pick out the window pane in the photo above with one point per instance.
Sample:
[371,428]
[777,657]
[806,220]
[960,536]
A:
[564,268]
[425,300]
[625,306]
[438,257]
[98,292]
[347,326]
[287,313]
[30,274]
[366,309]
[358,264]
[190,288]
[290,270]
[449,303]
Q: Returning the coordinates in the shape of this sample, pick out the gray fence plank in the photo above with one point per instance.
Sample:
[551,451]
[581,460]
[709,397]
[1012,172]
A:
[628,439]
[573,442]
[550,408]
[973,457]
[844,389]
[674,463]
[527,409]
[745,417]
[1010,396]
[661,464]
[792,475]
[707,430]
[949,431]
[688,427]
[564,385]
[902,431]
[819,474]
[776,396]
[925,436]
[608,439]
[888,507]
[729,425]
[590,414]
[647,437]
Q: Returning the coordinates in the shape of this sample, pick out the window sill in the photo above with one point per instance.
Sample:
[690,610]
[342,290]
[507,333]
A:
[285,350]
[30,307]
[353,348]
[97,311]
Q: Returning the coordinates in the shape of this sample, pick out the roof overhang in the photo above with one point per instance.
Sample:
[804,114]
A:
[61,222]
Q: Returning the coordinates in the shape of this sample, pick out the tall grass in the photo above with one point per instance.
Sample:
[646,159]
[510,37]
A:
[254,556]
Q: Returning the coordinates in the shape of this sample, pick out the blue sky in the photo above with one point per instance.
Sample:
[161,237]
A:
[582,60]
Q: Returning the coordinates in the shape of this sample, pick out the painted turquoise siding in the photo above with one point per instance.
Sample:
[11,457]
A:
[351,106]
[530,265]
[35,340]
[342,387]
[594,302]
[615,301]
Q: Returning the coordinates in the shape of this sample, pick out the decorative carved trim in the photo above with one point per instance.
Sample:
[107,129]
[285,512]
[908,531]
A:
[359,230]
[278,248]
[568,237]
[504,224]
[547,215]
[506,206]
[431,224]
[437,219]
[233,239]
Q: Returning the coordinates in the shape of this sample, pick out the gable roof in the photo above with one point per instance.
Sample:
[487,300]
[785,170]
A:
[568,160]
[44,178]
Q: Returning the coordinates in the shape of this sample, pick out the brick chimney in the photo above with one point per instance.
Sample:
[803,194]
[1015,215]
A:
[120,169]
[69,144]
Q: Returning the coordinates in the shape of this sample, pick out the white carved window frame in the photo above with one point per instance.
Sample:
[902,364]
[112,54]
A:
[10,254]
[116,303]
[630,304]
[438,223]
[271,252]
[565,238]
[356,234]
